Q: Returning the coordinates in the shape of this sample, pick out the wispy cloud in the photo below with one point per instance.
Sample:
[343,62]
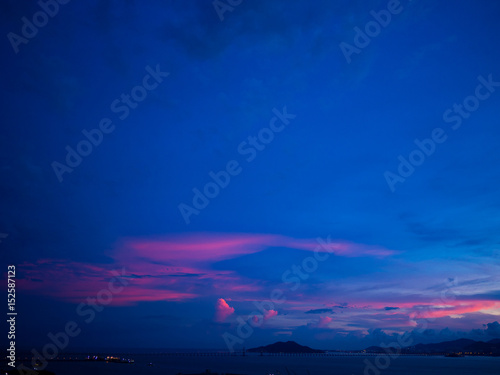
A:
[173,268]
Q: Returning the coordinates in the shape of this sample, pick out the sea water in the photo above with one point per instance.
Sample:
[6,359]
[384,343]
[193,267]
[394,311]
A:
[282,365]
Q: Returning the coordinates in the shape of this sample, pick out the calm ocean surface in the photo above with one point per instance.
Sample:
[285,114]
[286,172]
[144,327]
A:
[257,365]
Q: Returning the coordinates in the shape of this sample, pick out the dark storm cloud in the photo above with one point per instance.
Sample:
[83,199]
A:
[320,311]
[388,308]
[493,329]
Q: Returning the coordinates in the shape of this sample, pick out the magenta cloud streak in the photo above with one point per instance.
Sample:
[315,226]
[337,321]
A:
[171,268]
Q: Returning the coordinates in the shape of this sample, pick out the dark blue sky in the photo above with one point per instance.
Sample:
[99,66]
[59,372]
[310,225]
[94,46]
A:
[317,142]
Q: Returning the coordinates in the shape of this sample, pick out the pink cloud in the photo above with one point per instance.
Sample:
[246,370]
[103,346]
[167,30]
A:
[222,310]
[269,314]
[456,308]
[200,247]
[82,281]
[130,296]
[173,268]
[324,321]
[211,247]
